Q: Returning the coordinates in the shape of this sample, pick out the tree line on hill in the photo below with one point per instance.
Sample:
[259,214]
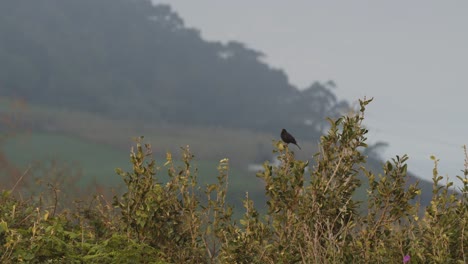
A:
[133,59]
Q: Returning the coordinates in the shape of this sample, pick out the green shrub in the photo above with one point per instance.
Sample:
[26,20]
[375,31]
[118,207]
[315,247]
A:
[311,217]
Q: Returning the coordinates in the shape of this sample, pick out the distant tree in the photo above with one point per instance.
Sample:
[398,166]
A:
[315,103]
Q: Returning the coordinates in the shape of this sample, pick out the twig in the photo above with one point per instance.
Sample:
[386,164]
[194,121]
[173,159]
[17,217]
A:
[20,178]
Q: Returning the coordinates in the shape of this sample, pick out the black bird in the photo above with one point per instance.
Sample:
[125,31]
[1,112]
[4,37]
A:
[288,138]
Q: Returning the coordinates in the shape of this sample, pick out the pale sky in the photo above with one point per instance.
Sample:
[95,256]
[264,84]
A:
[411,56]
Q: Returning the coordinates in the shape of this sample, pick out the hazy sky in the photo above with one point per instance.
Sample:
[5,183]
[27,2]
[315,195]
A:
[411,56]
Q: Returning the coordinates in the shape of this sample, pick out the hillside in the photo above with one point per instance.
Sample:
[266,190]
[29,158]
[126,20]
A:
[106,71]
[130,59]
[43,134]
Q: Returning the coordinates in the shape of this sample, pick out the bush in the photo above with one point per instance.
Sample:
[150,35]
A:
[313,219]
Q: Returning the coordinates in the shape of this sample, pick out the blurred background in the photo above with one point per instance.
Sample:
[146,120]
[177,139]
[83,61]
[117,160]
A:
[79,79]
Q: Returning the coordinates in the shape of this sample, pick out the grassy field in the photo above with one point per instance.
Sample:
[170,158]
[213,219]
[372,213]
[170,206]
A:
[97,145]
[96,162]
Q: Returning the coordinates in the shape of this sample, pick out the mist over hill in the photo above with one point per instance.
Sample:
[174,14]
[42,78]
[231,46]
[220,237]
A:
[135,60]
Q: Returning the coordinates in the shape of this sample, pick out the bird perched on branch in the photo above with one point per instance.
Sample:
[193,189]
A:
[288,138]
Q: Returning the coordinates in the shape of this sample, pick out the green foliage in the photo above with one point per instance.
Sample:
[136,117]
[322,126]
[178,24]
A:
[311,217]
[170,216]
[443,232]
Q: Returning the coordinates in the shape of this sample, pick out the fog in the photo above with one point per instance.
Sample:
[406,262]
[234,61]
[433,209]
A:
[410,56]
